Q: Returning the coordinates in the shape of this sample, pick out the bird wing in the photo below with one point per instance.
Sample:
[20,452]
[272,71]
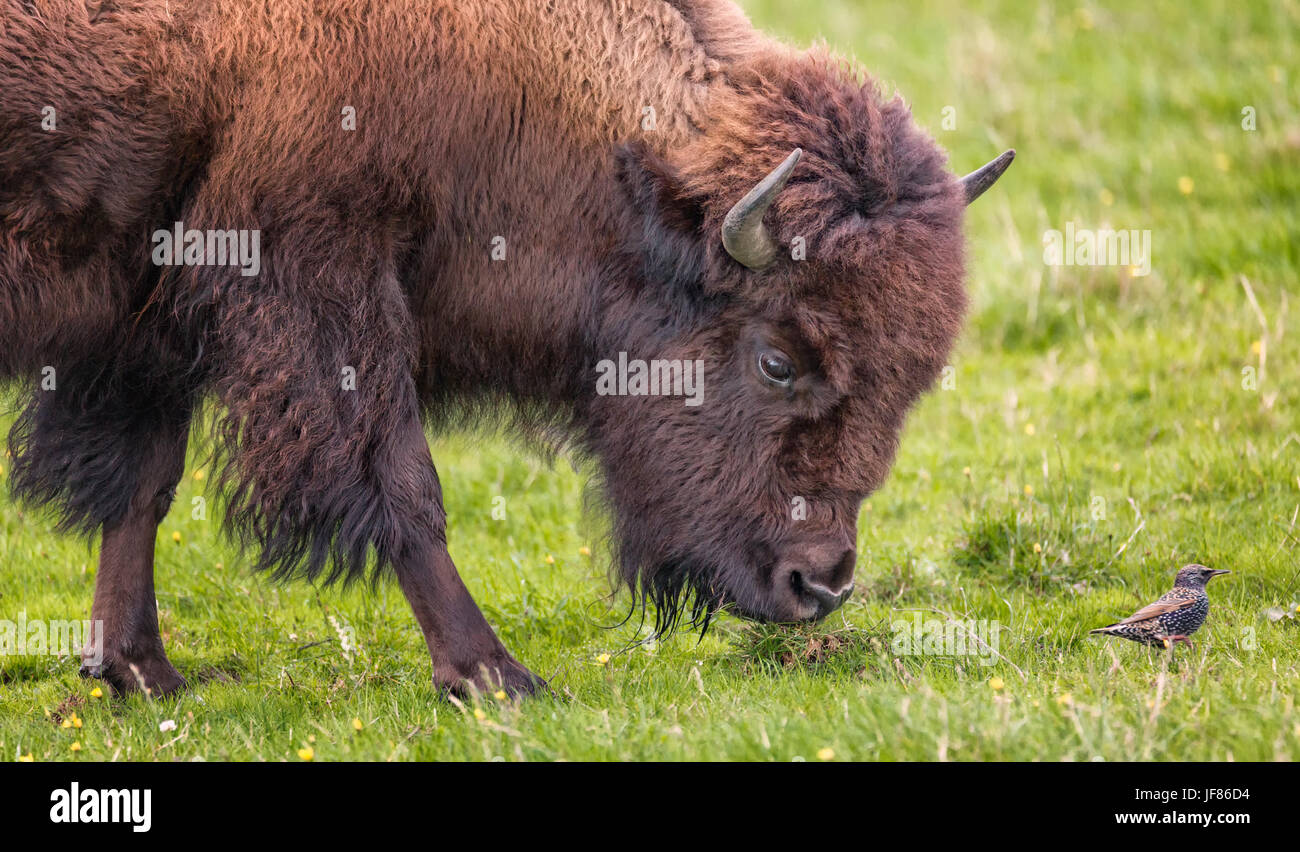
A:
[1161,607]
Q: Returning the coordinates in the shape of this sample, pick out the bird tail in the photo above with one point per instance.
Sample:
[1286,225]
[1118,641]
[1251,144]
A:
[1105,630]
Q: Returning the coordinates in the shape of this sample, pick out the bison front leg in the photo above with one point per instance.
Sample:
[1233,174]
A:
[315,361]
[464,649]
[126,649]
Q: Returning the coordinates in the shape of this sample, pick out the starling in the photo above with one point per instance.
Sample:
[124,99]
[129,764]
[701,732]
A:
[1176,616]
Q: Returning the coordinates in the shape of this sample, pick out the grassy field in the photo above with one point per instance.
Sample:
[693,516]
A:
[1101,430]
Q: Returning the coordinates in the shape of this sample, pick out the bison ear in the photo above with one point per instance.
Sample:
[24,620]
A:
[665,222]
[653,186]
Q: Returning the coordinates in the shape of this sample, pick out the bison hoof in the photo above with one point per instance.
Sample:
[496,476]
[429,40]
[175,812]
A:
[500,675]
[153,676]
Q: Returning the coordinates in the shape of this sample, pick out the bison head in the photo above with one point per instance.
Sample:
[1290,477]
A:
[806,250]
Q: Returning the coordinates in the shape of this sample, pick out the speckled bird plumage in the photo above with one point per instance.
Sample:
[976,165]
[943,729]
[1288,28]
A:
[1175,616]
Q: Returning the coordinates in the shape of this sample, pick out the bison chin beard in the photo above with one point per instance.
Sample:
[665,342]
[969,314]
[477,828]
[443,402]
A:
[686,591]
[675,592]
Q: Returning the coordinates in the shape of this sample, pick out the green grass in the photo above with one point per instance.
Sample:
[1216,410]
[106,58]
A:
[1098,437]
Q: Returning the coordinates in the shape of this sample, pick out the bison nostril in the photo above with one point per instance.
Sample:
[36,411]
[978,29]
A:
[842,574]
[796,583]
[827,600]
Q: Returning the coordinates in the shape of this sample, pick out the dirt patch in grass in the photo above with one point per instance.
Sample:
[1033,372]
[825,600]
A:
[67,708]
[816,648]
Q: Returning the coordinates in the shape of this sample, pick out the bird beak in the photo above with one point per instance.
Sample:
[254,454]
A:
[1214,572]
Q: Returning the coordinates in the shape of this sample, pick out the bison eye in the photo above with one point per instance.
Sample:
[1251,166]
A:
[776,368]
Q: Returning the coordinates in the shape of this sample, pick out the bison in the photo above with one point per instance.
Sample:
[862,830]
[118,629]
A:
[342,222]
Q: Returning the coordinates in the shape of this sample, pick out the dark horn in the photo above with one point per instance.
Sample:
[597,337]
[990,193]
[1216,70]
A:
[743,234]
[985,176]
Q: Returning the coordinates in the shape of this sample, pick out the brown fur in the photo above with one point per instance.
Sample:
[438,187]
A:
[475,119]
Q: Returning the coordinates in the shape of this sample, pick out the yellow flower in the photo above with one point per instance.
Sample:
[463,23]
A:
[1038,548]
[1107,197]
[1029,429]
[75,746]
[1065,698]
[1186,185]
[307,753]
[602,659]
[1029,491]
[26,758]
[550,560]
[97,693]
[500,695]
[1037,703]
[965,471]
[67,723]
[76,721]
[1256,347]
[584,551]
[176,537]
[356,724]
[479,714]
[996,683]
[199,474]
[825,754]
